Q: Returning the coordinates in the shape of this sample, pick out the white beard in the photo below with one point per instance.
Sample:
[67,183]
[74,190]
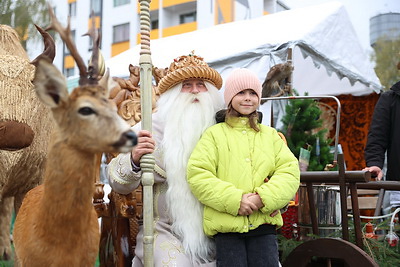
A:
[185,121]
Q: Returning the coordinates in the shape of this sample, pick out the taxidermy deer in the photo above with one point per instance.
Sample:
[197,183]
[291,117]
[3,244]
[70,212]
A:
[57,224]
[25,126]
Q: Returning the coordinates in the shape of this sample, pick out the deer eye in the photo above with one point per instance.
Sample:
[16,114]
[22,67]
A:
[86,111]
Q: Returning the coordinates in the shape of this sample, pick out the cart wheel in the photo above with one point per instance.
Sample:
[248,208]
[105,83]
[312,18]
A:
[329,249]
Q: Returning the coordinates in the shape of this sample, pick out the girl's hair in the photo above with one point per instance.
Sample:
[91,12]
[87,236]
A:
[253,117]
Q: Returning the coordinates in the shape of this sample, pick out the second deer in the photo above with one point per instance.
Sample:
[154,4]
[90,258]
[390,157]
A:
[57,224]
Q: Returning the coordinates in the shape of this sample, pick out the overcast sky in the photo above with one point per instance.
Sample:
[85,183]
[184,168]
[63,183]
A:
[360,11]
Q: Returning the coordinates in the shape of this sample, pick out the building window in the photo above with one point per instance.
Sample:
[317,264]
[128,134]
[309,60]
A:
[70,72]
[188,17]
[66,50]
[95,6]
[154,24]
[121,33]
[72,9]
[121,2]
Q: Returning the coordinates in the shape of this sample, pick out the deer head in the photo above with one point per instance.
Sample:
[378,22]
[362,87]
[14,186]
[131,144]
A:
[86,119]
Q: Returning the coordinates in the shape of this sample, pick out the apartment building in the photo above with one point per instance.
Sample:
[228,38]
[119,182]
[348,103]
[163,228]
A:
[118,21]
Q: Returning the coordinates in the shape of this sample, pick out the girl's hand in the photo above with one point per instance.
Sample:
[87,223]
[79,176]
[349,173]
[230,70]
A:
[256,199]
[246,206]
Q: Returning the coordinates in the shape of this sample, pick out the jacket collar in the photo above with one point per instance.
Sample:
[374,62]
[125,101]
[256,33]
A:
[238,122]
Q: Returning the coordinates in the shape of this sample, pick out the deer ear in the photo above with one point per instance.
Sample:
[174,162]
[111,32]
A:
[107,82]
[50,84]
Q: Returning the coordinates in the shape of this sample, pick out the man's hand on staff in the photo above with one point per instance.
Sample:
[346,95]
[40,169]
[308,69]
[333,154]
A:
[146,145]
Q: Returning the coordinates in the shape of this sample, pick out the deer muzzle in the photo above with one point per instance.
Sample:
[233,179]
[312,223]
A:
[127,141]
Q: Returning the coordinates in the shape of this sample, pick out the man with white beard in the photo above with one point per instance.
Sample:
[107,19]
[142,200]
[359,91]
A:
[186,108]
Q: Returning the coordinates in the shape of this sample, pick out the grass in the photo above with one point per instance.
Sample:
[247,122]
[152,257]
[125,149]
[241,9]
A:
[6,263]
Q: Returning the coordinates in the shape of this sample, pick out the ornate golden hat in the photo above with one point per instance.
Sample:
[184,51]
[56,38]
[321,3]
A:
[186,67]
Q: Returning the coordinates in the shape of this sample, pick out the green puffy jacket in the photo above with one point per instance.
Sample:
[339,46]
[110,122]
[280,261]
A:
[232,160]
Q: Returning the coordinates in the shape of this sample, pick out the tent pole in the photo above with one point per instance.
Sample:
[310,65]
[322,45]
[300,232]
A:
[147,161]
[289,83]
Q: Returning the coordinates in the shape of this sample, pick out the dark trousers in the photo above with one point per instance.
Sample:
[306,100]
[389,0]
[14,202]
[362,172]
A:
[238,250]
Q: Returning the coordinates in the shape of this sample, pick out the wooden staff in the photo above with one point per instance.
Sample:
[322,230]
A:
[147,160]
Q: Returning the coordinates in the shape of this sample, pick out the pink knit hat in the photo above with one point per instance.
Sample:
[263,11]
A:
[239,80]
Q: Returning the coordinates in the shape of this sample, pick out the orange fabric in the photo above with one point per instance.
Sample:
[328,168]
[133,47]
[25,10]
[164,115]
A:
[355,119]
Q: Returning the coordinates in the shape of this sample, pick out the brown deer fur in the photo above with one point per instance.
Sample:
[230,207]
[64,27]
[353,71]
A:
[57,224]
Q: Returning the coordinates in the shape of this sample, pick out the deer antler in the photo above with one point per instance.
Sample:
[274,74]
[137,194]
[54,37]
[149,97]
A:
[49,46]
[65,34]
[93,68]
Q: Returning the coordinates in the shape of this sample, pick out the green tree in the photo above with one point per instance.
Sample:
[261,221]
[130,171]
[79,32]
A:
[22,15]
[300,127]
[386,56]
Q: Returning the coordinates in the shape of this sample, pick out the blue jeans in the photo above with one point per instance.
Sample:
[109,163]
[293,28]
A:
[236,250]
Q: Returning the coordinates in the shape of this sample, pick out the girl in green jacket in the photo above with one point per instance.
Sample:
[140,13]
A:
[243,173]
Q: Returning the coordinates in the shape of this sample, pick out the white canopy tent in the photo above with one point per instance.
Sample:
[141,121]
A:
[327,56]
